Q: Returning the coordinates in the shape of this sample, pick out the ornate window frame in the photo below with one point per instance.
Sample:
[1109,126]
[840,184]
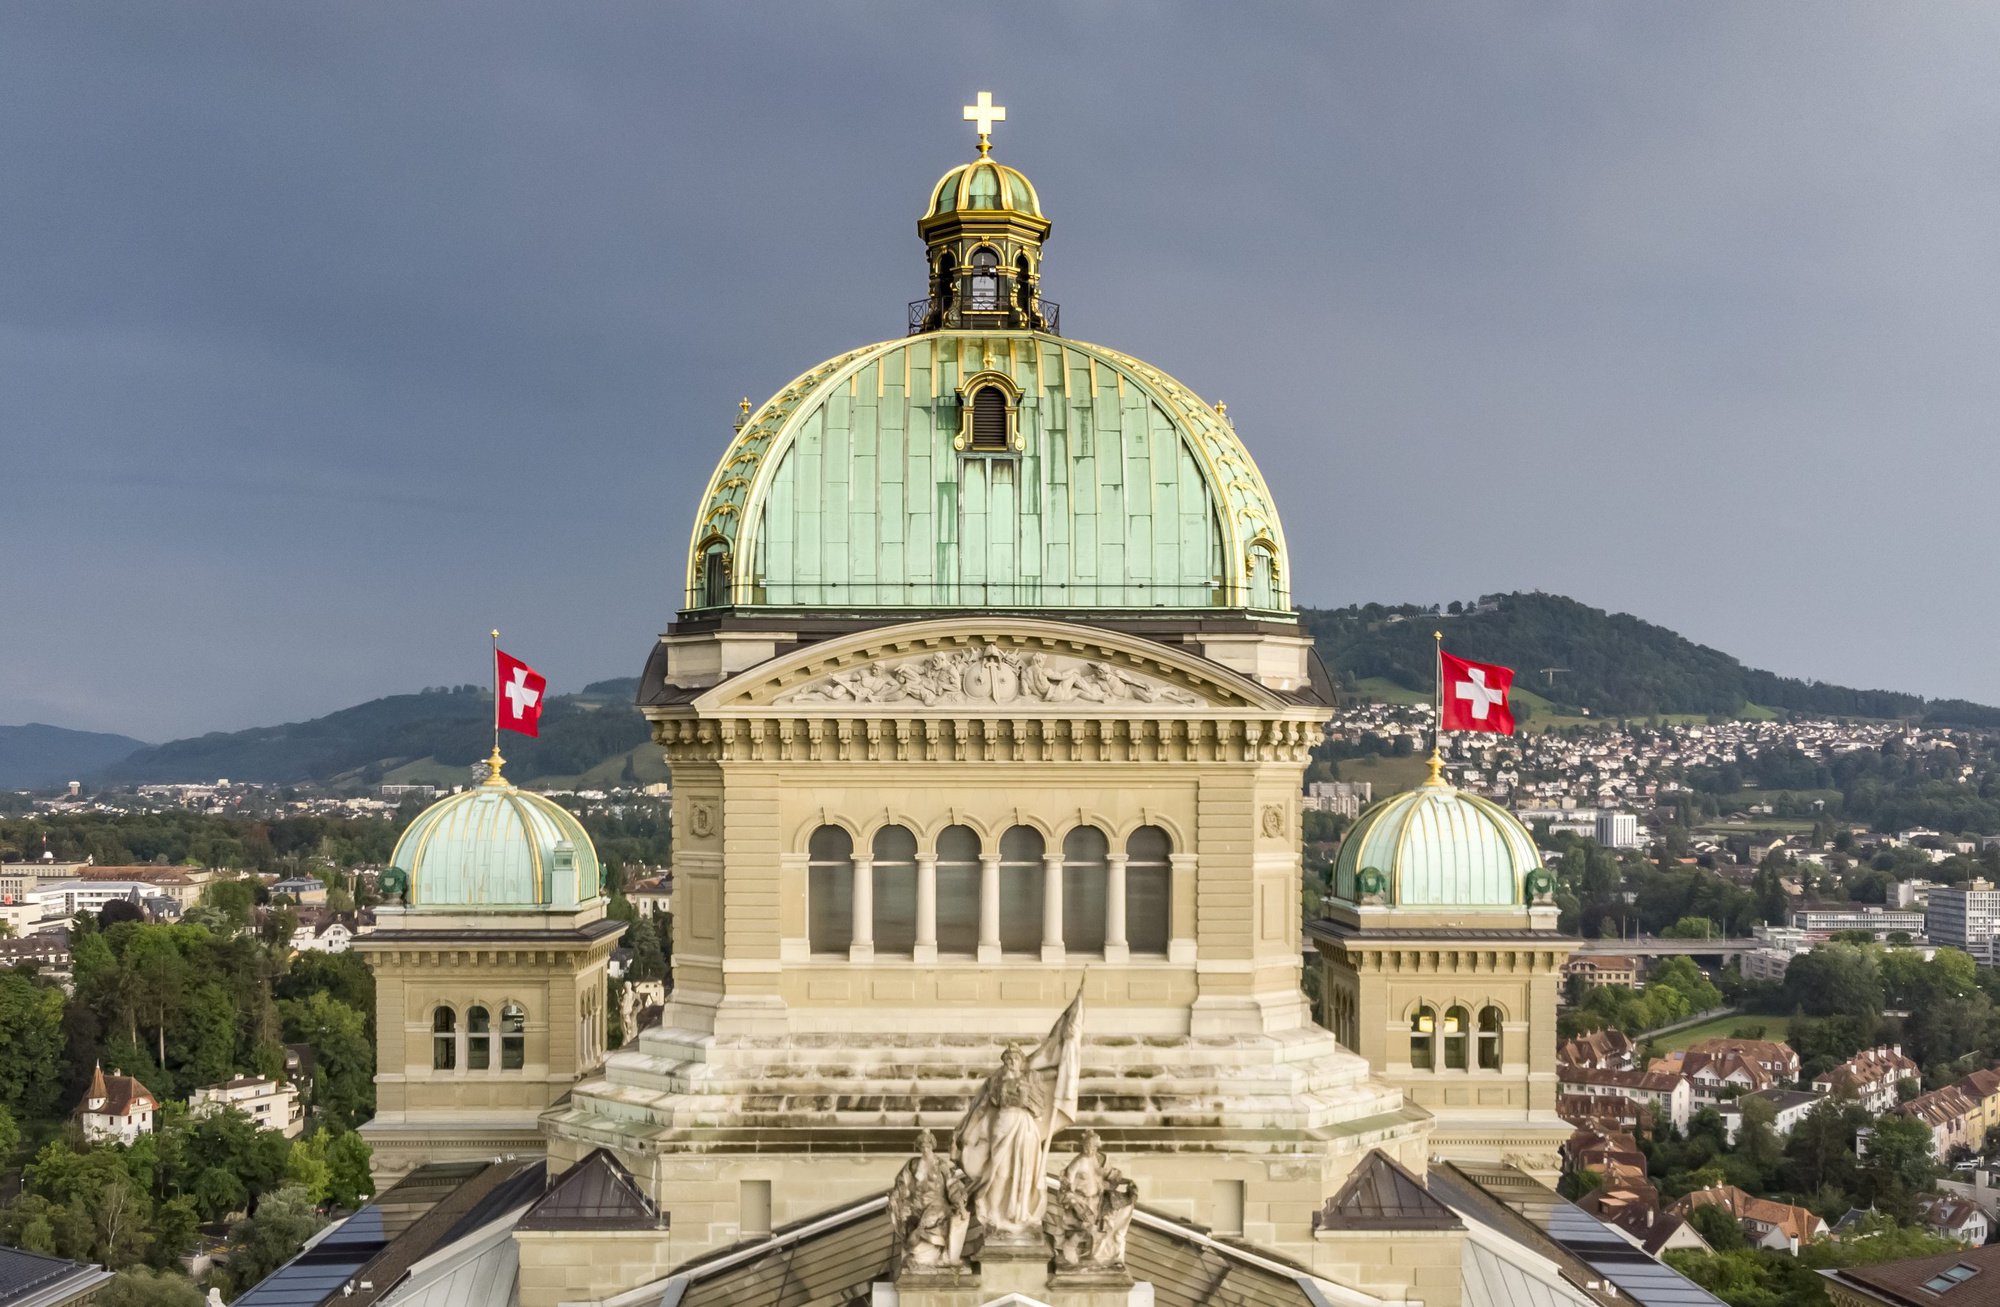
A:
[969,388]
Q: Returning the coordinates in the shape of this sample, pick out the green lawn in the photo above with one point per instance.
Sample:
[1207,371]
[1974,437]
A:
[1741,1025]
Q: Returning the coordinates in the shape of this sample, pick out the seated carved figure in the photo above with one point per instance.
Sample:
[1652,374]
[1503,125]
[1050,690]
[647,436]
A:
[1091,1212]
[930,1211]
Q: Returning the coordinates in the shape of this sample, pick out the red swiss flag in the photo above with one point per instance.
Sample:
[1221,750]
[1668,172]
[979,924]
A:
[521,687]
[1475,695]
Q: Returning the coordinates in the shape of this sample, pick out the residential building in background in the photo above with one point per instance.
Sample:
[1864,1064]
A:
[1341,798]
[1965,917]
[116,1109]
[1875,920]
[1869,1077]
[270,1104]
[1618,830]
[1726,1068]
[1605,969]
[1778,1226]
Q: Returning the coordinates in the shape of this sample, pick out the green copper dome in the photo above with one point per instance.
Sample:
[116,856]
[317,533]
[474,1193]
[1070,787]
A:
[984,184]
[494,846]
[1438,847]
[1102,483]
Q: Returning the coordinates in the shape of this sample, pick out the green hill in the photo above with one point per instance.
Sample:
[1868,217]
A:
[1612,664]
[35,756]
[434,736]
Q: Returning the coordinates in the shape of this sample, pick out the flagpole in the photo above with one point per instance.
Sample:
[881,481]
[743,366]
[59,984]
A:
[494,763]
[1437,684]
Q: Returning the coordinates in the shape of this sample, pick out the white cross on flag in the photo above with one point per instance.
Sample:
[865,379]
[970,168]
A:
[519,706]
[1475,695]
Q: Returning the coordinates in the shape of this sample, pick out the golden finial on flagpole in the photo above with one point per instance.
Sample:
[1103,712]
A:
[1437,732]
[494,761]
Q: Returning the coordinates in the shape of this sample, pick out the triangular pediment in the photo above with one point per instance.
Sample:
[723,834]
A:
[1018,666]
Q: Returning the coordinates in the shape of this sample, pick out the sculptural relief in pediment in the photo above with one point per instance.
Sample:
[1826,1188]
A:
[988,672]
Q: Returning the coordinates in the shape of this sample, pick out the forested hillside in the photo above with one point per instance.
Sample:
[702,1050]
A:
[1613,664]
[35,755]
[452,727]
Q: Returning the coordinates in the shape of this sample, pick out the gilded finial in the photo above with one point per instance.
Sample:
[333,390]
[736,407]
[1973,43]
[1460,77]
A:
[1222,410]
[494,763]
[745,406]
[983,113]
[1436,764]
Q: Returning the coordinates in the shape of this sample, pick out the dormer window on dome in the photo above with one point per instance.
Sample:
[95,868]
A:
[989,414]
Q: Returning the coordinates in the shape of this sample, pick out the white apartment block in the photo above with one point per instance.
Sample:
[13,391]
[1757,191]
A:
[270,1104]
[1965,917]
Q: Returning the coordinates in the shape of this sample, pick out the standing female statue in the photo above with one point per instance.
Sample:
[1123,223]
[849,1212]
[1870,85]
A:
[1003,1140]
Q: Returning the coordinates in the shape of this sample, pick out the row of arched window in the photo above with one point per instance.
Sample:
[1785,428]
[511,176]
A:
[473,1047]
[1460,1039]
[1085,898]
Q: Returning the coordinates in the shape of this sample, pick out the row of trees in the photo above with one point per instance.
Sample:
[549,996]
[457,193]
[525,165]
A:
[1676,991]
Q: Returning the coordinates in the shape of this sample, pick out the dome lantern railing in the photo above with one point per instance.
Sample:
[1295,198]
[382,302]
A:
[925,316]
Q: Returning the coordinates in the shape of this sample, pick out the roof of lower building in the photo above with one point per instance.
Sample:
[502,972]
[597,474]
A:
[598,1193]
[35,1277]
[1382,1195]
[1966,1278]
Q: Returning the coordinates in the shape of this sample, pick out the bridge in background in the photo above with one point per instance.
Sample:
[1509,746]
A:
[1652,946]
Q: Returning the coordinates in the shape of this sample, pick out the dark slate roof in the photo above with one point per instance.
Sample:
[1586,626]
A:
[832,1260]
[1967,1278]
[1590,1254]
[24,1275]
[428,1209]
[1381,1195]
[596,1194]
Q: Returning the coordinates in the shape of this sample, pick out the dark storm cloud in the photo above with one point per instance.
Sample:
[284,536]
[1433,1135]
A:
[333,335]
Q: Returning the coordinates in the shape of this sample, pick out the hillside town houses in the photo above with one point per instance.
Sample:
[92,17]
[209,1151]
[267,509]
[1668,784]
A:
[1870,1077]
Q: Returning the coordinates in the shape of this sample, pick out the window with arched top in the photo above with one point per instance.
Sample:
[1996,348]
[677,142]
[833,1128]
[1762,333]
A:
[1149,880]
[714,576]
[1021,850]
[478,1039]
[1489,1039]
[1456,1021]
[444,1040]
[513,1037]
[989,419]
[830,890]
[1423,1039]
[958,891]
[895,857]
[1264,577]
[1085,868]
[1024,293]
[985,281]
[947,284]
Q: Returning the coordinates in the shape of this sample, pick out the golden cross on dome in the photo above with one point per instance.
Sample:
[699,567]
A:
[983,114]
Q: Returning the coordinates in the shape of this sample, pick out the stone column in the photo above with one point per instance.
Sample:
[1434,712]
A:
[1052,907]
[1181,922]
[862,949]
[926,947]
[1115,947]
[989,907]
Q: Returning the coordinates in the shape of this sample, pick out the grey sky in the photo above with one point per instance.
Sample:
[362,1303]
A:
[332,335]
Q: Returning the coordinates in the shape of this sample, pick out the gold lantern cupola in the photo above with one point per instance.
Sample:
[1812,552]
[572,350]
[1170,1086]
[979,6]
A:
[984,231]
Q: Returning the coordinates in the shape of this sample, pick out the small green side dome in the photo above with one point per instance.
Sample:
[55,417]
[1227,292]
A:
[1438,847]
[494,846]
[984,185]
